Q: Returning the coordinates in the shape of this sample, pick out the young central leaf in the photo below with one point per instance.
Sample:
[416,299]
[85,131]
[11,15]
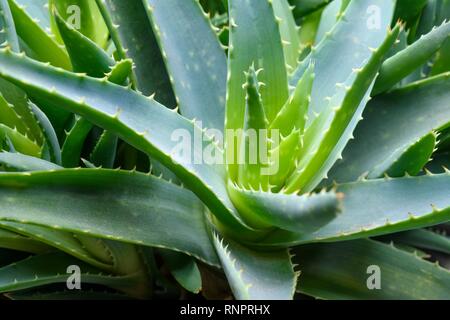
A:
[253,149]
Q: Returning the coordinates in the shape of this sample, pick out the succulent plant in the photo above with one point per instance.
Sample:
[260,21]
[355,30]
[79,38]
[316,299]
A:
[259,149]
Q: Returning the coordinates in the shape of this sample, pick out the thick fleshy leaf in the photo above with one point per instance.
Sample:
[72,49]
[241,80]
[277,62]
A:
[194,59]
[406,61]
[345,48]
[53,268]
[184,269]
[256,275]
[20,142]
[106,208]
[377,207]
[10,118]
[254,39]
[21,162]
[83,15]
[50,141]
[136,120]
[393,123]
[84,54]
[251,149]
[330,131]
[352,266]
[422,238]
[408,10]
[18,101]
[8,36]
[328,19]
[304,7]
[301,214]
[13,241]
[289,33]
[73,144]
[105,150]
[43,44]
[64,241]
[127,21]
[294,113]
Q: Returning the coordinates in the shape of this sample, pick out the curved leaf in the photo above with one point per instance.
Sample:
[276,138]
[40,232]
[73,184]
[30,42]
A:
[84,54]
[345,48]
[127,21]
[255,275]
[21,162]
[406,61]
[392,124]
[8,36]
[106,208]
[52,268]
[43,44]
[301,214]
[136,119]
[254,39]
[13,241]
[194,59]
[377,207]
[346,273]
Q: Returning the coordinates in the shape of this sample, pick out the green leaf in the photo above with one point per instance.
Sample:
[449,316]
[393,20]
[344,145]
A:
[283,158]
[127,21]
[254,39]
[194,59]
[84,54]
[289,33]
[330,131]
[414,159]
[408,10]
[346,273]
[43,44]
[136,120]
[21,143]
[345,48]
[18,101]
[21,162]
[105,150]
[10,118]
[294,113]
[377,207]
[255,275]
[254,137]
[301,214]
[14,241]
[309,26]
[9,36]
[83,15]
[422,238]
[107,209]
[74,142]
[329,17]
[406,61]
[64,241]
[393,123]
[184,270]
[52,268]
[120,72]
[304,7]
[48,132]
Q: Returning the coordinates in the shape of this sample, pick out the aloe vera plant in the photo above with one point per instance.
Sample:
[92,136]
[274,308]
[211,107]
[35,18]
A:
[264,149]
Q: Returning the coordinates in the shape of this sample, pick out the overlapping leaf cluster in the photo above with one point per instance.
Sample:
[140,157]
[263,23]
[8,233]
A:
[357,93]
